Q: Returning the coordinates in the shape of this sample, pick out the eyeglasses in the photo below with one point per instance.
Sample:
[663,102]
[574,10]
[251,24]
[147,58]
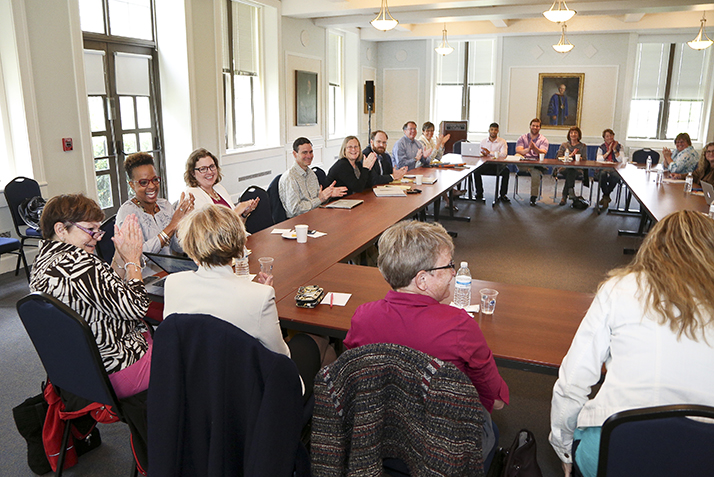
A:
[145,182]
[205,169]
[450,265]
[709,151]
[351,147]
[96,235]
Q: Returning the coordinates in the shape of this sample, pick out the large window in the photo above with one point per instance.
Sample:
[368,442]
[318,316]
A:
[668,93]
[241,83]
[465,85]
[127,18]
[335,111]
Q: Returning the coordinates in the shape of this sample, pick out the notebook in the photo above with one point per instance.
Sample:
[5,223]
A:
[343,204]
[389,191]
[170,264]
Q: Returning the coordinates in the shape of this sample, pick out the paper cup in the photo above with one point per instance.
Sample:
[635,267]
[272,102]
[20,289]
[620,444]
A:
[577,157]
[418,179]
[301,233]
[541,157]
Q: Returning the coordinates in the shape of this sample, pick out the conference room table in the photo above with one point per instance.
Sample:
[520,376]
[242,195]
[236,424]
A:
[349,231]
[531,329]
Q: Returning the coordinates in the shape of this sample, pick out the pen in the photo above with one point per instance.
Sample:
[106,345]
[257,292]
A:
[331,297]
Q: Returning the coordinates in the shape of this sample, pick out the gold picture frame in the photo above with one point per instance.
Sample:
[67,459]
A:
[556,109]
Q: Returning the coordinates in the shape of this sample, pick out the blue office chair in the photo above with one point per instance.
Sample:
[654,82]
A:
[640,156]
[261,218]
[69,354]
[105,247]
[12,245]
[16,191]
[657,442]
[276,205]
[321,176]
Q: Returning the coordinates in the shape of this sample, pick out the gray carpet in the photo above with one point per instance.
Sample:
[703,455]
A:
[547,246]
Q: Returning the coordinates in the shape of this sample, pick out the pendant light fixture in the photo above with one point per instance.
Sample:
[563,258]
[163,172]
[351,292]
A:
[699,43]
[563,46]
[559,12]
[384,21]
[444,49]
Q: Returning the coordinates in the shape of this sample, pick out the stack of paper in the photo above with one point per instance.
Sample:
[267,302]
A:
[390,191]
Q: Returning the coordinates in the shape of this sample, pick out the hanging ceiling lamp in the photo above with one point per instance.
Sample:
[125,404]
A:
[384,21]
[444,49]
[563,46]
[698,43]
[560,14]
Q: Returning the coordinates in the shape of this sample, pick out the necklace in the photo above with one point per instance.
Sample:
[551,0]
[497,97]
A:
[156,207]
[214,195]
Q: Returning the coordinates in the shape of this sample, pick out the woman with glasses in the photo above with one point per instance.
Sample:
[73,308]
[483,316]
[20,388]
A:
[352,170]
[111,299]
[705,168]
[202,176]
[157,217]
[683,160]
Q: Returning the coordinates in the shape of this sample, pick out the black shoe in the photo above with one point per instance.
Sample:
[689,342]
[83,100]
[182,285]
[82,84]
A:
[533,200]
[504,199]
[479,197]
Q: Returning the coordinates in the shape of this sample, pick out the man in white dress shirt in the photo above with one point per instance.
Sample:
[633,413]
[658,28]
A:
[493,147]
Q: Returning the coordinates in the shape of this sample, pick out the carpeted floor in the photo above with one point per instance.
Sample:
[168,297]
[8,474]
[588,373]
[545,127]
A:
[547,246]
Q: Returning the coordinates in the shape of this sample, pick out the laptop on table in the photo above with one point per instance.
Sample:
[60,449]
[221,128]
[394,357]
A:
[170,264]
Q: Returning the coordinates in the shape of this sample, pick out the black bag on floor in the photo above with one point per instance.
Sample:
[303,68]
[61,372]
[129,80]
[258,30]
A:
[519,460]
[29,419]
[580,203]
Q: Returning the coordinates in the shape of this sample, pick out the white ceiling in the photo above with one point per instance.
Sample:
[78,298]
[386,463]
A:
[425,18]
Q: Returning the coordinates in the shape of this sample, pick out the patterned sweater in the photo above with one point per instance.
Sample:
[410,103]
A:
[112,308]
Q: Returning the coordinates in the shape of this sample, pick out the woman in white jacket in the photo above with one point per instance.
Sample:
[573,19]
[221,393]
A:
[650,325]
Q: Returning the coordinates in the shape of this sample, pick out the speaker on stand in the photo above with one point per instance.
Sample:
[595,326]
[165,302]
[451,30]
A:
[369,101]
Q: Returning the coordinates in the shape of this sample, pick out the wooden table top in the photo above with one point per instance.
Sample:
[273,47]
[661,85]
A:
[348,231]
[478,160]
[663,199]
[530,325]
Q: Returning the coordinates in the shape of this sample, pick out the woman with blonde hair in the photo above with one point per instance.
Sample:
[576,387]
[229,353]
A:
[352,170]
[705,168]
[650,325]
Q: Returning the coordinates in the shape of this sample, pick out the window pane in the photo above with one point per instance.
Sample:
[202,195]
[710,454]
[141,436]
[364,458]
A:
[481,101]
[104,187]
[684,116]
[91,16]
[450,68]
[244,110]
[481,61]
[145,143]
[99,149]
[448,103]
[332,107]
[143,112]
[97,119]
[129,143]
[130,18]
[643,118]
[651,71]
[688,73]
[126,106]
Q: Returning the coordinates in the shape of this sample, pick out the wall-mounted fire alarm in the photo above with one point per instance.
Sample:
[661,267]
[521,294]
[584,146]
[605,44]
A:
[66,143]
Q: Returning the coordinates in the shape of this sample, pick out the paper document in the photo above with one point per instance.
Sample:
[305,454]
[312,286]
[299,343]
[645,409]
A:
[338,299]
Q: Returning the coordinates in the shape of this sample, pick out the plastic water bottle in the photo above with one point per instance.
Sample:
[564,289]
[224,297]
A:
[688,184]
[240,267]
[649,163]
[462,289]
[660,174]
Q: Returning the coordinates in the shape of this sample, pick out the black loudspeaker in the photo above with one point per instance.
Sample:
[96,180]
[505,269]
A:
[369,92]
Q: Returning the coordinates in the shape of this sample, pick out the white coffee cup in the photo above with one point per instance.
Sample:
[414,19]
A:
[541,157]
[577,157]
[301,233]
[418,179]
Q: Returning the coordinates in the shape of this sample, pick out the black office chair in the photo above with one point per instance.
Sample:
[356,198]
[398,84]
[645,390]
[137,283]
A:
[16,191]
[276,205]
[657,442]
[221,403]
[12,245]
[261,218]
[457,146]
[640,156]
[321,177]
[69,354]
[105,247]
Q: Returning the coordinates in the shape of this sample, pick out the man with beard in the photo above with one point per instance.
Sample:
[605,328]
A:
[383,171]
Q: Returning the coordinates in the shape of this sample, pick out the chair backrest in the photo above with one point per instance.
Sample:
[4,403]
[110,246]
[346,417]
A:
[657,441]
[552,152]
[105,247]
[261,218]
[321,176]
[16,191]
[220,403]
[385,400]
[640,156]
[276,205]
[457,146]
[67,348]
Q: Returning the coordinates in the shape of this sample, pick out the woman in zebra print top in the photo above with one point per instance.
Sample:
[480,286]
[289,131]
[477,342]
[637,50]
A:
[112,300]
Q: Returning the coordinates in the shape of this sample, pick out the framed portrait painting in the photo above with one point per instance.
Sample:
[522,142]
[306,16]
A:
[560,98]
[305,98]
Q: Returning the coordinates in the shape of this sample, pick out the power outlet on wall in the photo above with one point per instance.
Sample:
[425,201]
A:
[5,234]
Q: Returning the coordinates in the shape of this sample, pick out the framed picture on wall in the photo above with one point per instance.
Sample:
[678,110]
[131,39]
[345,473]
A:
[560,99]
[305,98]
